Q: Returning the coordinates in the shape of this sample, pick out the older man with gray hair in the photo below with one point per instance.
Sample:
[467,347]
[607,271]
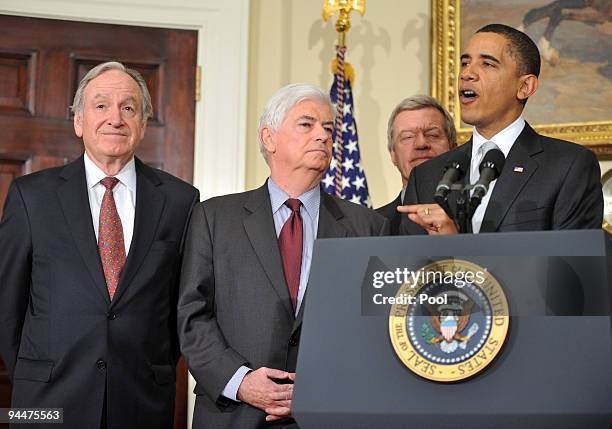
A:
[419,129]
[89,267]
[246,267]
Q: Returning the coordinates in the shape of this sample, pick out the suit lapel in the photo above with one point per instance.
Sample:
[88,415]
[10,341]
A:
[74,200]
[329,227]
[329,217]
[511,182]
[149,206]
[259,226]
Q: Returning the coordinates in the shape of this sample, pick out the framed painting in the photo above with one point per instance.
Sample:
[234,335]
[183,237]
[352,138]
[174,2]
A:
[574,98]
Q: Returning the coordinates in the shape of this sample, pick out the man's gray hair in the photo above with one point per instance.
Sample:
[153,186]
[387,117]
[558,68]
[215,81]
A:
[78,102]
[419,102]
[282,101]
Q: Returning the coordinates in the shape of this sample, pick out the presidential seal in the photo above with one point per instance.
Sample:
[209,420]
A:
[454,323]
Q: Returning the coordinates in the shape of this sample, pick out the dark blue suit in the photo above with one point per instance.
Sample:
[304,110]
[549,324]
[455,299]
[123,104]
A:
[65,344]
[546,184]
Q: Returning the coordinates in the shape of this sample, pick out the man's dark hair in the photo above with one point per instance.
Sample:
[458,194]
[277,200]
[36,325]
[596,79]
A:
[522,48]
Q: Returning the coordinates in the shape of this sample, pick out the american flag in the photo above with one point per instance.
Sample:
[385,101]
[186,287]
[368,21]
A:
[353,181]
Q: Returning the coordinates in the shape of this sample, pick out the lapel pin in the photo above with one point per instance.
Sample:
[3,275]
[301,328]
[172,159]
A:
[518,169]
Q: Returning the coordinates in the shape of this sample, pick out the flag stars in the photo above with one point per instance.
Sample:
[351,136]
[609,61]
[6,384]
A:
[328,181]
[348,164]
[352,181]
[358,183]
[351,146]
[355,199]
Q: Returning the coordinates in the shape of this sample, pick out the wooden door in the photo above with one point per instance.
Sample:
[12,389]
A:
[41,63]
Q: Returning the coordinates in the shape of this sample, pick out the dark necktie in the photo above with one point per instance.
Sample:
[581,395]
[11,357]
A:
[110,237]
[290,243]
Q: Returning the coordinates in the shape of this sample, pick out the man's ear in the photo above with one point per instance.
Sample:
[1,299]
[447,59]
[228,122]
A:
[78,125]
[393,156]
[528,85]
[144,127]
[265,136]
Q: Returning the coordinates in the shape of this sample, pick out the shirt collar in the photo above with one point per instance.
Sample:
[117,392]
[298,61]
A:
[311,199]
[94,174]
[504,139]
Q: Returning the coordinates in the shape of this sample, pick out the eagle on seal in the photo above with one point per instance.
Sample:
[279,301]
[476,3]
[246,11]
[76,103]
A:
[449,320]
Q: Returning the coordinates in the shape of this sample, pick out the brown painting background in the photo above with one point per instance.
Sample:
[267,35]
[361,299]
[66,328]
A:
[578,88]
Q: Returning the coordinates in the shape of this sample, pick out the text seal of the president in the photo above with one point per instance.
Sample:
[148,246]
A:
[452,329]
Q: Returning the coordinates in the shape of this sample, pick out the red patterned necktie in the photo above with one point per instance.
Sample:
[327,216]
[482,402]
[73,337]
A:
[110,237]
[290,243]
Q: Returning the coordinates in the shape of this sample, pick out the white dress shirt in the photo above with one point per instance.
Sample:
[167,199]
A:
[124,193]
[504,140]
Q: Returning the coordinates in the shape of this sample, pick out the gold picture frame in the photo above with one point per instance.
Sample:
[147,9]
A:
[606,184]
[445,62]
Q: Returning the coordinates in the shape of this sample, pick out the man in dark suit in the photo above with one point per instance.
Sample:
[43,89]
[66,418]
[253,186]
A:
[89,270]
[246,266]
[419,129]
[545,184]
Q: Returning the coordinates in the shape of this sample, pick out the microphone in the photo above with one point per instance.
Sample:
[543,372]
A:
[490,169]
[453,172]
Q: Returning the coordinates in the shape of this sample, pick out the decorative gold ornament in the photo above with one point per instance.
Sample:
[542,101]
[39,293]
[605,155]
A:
[344,7]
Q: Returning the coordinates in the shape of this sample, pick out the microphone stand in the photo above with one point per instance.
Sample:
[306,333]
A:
[466,204]
[464,212]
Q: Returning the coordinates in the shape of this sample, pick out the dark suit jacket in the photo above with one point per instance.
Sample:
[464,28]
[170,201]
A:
[63,341]
[558,188]
[234,307]
[389,211]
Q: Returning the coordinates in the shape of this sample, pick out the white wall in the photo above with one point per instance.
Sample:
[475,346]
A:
[388,48]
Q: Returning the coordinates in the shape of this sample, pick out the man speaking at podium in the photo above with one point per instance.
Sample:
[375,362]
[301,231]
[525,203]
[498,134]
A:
[545,183]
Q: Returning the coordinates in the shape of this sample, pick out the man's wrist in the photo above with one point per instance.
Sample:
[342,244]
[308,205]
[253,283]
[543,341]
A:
[233,385]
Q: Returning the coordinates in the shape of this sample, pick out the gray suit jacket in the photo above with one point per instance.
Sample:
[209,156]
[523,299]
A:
[234,306]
